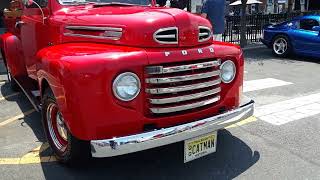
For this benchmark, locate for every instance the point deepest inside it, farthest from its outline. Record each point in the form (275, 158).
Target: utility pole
(243, 29)
(290, 5)
(275, 6)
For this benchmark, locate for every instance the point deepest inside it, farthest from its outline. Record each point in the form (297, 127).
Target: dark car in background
(298, 36)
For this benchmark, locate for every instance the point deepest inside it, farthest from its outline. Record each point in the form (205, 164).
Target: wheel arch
(281, 34)
(47, 81)
(43, 85)
(50, 74)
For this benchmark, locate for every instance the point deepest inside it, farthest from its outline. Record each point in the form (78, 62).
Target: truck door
(33, 27)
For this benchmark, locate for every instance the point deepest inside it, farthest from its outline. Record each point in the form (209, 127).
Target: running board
(31, 95)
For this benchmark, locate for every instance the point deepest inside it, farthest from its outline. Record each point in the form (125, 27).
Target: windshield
(107, 2)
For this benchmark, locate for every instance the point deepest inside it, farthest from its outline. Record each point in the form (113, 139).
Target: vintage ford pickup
(113, 77)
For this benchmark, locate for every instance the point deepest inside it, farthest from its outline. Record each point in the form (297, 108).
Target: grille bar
(182, 85)
(182, 78)
(183, 88)
(173, 69)
(184, 107)
(186, 97)
(166, 35)
(204, 34)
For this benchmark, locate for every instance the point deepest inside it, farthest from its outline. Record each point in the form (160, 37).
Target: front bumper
(148, 140)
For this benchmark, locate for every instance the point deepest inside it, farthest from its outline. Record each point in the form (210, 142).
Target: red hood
(138, 23)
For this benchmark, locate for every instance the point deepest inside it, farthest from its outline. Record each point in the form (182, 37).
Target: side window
(42, 3)
(307, 24)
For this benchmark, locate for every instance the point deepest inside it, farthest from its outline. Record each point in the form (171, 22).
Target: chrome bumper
(148, 140)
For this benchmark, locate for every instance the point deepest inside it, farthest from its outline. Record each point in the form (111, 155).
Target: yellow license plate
(200, 146)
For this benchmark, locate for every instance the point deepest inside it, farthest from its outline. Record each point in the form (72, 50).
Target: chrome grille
(166, 35)
(204, 33)
(173, 88)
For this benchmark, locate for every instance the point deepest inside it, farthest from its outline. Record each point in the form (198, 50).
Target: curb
(251, 47)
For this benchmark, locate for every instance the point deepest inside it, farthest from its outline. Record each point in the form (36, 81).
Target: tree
(243, 24)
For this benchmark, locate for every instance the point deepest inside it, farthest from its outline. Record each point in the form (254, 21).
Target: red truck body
(64, 49)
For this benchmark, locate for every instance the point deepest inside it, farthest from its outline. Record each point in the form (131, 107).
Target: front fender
(12, 49)
(81, 75)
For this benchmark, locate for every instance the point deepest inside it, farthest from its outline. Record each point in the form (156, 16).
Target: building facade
(281, 6)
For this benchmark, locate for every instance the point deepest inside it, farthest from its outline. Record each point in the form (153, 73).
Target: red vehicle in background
(121, 76)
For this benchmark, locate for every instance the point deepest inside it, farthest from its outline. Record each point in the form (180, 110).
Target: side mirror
(15, 5)
(316, 28)
(14, 10)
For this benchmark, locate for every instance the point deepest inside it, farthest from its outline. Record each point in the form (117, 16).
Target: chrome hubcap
(57, 128)
(61, 127)
(280, 46)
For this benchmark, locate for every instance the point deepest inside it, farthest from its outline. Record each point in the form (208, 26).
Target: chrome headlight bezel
(116, 83)
(228, 62)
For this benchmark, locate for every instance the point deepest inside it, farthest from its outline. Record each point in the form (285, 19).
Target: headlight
(227, 71)
(126, 86)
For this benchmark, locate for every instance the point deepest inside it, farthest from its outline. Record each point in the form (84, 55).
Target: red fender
(80, 76)
(13, 53)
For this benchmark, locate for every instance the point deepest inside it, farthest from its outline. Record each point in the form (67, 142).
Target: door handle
(19, 24)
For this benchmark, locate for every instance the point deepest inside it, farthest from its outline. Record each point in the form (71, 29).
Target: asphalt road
(281, 142)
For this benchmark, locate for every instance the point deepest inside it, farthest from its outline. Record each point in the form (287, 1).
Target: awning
(236, 3)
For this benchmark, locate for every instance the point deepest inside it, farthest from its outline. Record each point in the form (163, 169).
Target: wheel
(281, 46)
(67, 148)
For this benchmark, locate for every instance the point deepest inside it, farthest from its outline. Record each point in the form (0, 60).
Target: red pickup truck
(113, 77)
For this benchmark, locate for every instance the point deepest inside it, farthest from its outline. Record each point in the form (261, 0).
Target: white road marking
(15, 118)
(291, 110)
(259, 84)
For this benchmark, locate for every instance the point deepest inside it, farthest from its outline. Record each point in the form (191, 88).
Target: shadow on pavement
(232, 158)
(33, 120)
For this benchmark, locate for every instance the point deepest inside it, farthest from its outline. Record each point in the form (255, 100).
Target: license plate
(200, 146)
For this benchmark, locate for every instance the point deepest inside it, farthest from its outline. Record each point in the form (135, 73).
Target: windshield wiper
(114, 4)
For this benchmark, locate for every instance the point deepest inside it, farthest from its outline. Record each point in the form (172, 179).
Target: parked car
(112, 78)
(300, 36)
